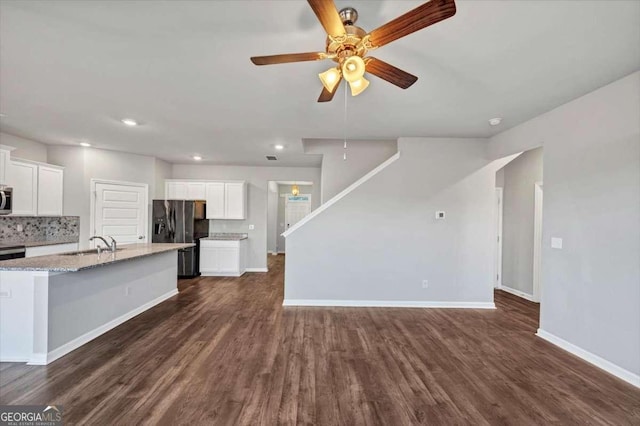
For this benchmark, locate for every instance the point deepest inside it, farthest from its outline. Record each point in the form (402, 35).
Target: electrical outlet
(556, 243)
(19, 228)
(127, 291)
(425, 283)
(252, 227)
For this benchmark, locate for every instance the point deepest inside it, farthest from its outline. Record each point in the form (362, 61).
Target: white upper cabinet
(225, 200)
(235, 200)
(215, 200)
(23, 178)
(196, 191)
(4, 165)
(176, 190)
(37, 188)
(50, 187)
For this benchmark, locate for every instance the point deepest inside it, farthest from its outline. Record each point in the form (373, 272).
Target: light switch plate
(440, 215)
(556, 243)
(252, 227)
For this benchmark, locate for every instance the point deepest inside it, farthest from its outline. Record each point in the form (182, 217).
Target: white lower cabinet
(219, 258)
(50, 249)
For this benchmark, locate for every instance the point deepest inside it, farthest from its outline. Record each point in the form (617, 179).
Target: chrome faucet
(111, 246)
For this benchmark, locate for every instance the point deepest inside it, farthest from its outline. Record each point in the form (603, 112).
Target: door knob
(141, 237)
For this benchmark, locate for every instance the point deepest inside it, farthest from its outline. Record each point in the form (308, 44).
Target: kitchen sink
(90, 251)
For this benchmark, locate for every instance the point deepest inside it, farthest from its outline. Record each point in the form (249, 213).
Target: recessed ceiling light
(495, 121)
(197, 157)
(129, 122)
(85, 144)
(279, 147)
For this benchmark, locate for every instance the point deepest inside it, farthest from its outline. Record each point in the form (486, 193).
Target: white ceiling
(69, 70)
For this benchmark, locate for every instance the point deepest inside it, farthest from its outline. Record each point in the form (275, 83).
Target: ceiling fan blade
(327, 96)
(288, 57)
(328, 16)
(429, 13)
(388, 72)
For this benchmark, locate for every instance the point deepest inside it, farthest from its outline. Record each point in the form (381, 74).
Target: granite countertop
(48, 242)
(226, 237)
(79, 262)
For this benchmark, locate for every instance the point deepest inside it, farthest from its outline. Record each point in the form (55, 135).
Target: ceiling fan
(348, 45)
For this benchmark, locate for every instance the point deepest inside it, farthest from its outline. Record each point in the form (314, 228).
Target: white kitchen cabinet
(176, 190)
(50, 188)
(37, 188)
(215, 200)
(235, 200)
(223, 258)
(23, 178)
(196, 191)
(50, 249)
(4, 164)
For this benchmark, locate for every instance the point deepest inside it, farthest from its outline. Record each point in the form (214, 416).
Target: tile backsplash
(35, 229)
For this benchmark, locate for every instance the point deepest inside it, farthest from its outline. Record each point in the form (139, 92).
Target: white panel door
(234, 200)
(196, 191)
(23, 178)
(120, 211)
(296, 207)
(176, 190)
(215, 200)
(50, 187)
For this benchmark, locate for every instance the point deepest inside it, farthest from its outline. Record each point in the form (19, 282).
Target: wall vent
(271, 157)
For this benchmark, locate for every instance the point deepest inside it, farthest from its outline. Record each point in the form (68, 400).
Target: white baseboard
(388, 304)
(602, 363)
(12, 359)
(518, 293)
(257, 270)
(44, 359)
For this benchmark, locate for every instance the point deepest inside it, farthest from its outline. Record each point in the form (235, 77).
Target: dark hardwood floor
(224, 351)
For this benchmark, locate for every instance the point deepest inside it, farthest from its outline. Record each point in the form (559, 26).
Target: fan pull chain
(344, 155)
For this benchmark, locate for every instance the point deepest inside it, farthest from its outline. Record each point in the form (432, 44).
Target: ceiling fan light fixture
(330, 78)
(358, 86)
(353, 68)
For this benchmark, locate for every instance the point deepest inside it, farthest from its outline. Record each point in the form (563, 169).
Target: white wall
(382, 240)
(25, 148)
(83, 164)
(362, 157)
(520, 176)
(590, 288)
(272, 217)
(257, 179)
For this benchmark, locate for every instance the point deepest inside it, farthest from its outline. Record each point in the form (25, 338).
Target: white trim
(341, 195)
(537, 241)
(518, 293)
(388, 304)
(499, 227)
(599, 362)
(44, 359)
(257, 270)
(92, 203)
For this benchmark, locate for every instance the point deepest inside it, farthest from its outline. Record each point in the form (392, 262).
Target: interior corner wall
(257, 179)
(520, 176)
(83, 164)
(590, 292)
(362, 157)
(381, 240)
(27, 149)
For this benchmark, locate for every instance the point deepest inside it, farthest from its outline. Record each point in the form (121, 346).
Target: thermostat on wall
(440, 215)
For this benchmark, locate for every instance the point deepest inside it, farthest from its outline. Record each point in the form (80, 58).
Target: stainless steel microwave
(6, 200)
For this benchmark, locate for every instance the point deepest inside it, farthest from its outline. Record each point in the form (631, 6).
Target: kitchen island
(51, 305)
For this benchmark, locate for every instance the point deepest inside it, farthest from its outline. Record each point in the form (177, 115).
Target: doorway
(537, 241)
(284, 210)
(119, 210)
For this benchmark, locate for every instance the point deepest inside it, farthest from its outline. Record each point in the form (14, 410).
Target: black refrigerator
(181, 221)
